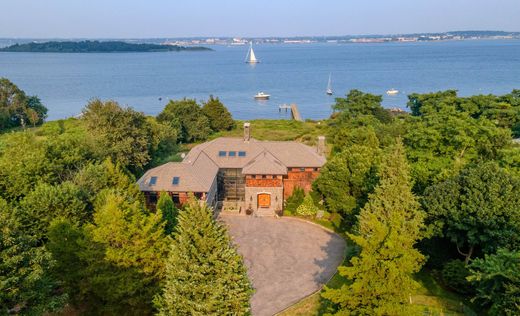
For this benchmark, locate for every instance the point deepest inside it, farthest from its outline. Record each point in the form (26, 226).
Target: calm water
(290, 73)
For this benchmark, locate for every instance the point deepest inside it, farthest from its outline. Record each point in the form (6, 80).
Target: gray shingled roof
(196, 177)
(200, 167)
(291, 154)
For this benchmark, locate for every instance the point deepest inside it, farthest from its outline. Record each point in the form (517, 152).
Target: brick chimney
(320, 148)
(247, 131)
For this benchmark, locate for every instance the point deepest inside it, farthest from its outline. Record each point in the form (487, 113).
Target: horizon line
(262, 37)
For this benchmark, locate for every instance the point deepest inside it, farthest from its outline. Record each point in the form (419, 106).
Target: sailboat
(329, 86)
(250, 57)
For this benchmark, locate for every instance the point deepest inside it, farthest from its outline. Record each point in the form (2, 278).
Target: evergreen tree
(26, 287)
(204, 273)
(135, 243)
(169, 211)
(497, 280)
(389, 226)
(295, 200)
(119, 257)
(219, 117)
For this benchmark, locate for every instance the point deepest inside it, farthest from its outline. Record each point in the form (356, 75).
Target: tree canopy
(479, 208)
(18, 109)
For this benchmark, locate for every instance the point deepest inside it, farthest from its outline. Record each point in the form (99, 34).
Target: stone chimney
(320, 148)
(247, 131)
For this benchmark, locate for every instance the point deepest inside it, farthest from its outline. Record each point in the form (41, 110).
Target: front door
(264, 200)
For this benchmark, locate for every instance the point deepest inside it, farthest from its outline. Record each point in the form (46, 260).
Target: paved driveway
(287, 259)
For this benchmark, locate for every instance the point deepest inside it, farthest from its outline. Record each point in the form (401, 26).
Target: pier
(295, 112)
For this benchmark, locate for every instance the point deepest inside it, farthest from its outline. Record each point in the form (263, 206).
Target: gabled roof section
(265, 163)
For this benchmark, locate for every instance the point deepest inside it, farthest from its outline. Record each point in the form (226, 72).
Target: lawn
(280, 130)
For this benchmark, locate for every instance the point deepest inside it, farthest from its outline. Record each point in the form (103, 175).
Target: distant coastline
(96, 47)
(195, 43)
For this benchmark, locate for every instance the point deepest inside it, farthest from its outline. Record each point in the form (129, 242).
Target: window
(222, 153)
(176, 180)
(241, 154)
(232, 153)
(302, 169)
(264, 177)
(153, 181)
(315, 169)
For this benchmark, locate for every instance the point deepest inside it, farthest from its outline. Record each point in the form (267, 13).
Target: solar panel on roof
(153, 181)
(176, 180)
(232, 153)
(222, 154)
(241, 154)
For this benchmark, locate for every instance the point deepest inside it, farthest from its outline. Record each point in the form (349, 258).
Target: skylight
(232, 153)
(241, 154)
(222, 153)
(176, 180)
(153, 181)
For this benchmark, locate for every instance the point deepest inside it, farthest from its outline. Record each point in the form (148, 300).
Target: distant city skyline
(228, 18)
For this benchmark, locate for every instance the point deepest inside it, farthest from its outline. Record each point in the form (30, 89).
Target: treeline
(437, 189)
(76, 236)
(96, 47)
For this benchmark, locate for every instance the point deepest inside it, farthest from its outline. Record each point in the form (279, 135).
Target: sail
(329, 85)
(251, 58)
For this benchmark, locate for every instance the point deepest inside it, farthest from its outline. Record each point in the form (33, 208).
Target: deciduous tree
(219, 117)
(480, 208)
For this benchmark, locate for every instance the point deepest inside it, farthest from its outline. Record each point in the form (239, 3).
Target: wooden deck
(295, 112)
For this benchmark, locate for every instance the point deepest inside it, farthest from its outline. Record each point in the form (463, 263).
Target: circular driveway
(287, 259)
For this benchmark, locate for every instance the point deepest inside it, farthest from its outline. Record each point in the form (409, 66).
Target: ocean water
(291, 73)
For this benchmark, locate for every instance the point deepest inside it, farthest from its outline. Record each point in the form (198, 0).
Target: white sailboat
(329, 86)
(250, 57)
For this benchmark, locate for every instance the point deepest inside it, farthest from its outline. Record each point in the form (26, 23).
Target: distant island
(97, 47)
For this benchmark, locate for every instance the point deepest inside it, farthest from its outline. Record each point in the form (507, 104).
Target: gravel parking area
(287, 259)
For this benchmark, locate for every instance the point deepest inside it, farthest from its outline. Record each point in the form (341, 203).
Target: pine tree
(168, 210)
(389, 226)
(204, 273)
(124, 252)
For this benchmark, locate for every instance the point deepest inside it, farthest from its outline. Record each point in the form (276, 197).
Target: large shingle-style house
(248, 174)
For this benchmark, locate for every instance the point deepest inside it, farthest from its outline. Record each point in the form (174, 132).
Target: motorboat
(262, 96)
(392, 91)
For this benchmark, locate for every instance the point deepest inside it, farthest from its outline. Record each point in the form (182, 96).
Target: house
(244, 174)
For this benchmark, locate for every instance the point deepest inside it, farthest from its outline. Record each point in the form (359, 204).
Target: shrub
(307, 208)
(454, 276)
(294, 200)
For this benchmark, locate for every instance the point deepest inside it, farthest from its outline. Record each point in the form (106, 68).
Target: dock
(295, 112)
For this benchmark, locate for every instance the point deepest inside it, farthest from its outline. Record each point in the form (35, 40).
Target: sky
(214, 18)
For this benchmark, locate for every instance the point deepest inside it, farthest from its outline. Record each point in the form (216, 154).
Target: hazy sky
(179, 18)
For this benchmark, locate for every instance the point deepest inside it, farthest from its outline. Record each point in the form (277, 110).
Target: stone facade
(275, 197)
